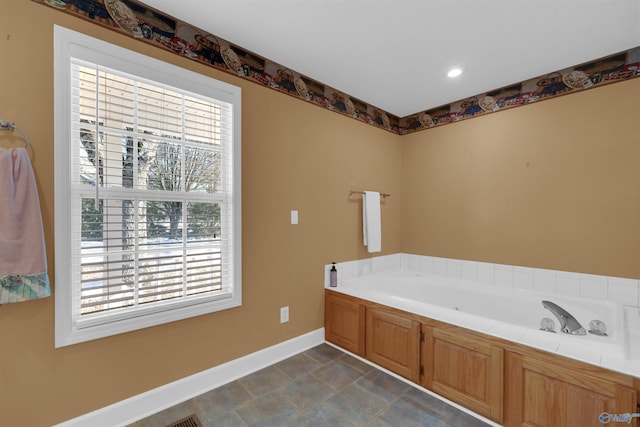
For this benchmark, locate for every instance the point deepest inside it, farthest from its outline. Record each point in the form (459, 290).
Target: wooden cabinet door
(539, 393)
(344, 318)
(465, 368)
(393, 342)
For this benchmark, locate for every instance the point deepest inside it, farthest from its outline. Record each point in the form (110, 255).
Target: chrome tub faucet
(568, 323)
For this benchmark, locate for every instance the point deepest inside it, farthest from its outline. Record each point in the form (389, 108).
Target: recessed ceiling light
(454, 72)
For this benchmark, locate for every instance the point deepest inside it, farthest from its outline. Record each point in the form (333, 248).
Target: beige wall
(552, 185)
(295, 156)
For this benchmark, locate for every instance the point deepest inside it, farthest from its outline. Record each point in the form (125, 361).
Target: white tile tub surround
(439, 266)
(503, 275)
(568, 283)
(469, 271)
(632, 342)
(632, 319)
(622, 290)
(486, 272)
(620, 352)
(453, 268)
(544, 281)
(523, 278)
(552, 282)
(592, 286)
(353, 269)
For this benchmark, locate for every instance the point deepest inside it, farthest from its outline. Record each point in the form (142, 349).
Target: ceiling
(395, 54)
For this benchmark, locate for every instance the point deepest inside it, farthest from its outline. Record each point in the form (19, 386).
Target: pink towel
(23, 263)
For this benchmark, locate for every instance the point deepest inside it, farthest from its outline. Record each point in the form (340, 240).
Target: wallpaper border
(139, 21)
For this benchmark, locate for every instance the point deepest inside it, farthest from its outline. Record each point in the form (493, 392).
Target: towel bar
(352, 192)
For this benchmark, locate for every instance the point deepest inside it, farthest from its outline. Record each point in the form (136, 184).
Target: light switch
(284, 314)
(294, 217)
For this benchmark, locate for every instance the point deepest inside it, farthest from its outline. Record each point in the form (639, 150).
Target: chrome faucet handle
(547, 325)
(597, 327)
(568, 323)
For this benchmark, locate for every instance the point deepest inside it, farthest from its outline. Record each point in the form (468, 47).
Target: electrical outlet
(284, 314)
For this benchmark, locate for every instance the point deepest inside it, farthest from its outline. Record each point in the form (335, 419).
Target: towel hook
(4, 125)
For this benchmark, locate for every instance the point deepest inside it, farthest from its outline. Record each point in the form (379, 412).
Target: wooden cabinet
(540, 392)
(460, 365)
(393, 341)
(344, 321)
(507, 382)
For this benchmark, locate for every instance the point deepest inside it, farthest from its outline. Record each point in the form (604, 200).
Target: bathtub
(508, 313)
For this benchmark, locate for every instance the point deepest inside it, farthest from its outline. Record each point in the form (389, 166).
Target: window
(147, 182)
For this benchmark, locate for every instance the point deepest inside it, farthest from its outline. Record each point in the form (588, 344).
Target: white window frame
(70, 44)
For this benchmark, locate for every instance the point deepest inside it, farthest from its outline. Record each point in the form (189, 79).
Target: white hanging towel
(371, 224)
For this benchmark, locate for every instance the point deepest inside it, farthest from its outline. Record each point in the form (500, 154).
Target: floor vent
(190, 421)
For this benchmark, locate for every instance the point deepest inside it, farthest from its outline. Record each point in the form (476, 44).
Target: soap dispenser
(333, 275)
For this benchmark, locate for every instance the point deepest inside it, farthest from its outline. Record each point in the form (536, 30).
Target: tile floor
(319, 387)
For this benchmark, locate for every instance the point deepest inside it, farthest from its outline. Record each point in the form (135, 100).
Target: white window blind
(151, 198)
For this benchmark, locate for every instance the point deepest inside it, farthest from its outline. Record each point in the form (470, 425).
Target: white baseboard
(143, 405)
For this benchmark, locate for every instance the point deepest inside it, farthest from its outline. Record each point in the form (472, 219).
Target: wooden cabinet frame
(507, 382)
